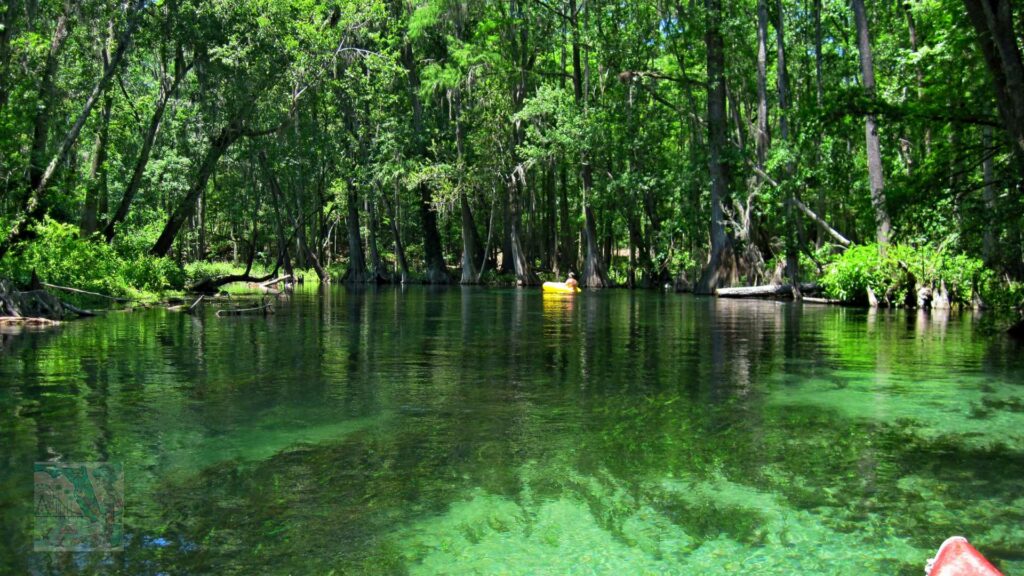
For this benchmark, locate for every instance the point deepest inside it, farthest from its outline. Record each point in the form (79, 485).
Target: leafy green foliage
(59, 256)
(903, 269)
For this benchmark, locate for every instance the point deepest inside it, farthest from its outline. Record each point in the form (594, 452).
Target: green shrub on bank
(903, 269)
(59, 256)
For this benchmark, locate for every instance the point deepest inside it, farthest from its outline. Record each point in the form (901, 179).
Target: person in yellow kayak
(571, 281)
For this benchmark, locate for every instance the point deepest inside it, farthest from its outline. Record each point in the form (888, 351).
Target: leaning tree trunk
(145, 151)
(47, 102)
(720, 269)
(220, 144)
(876, 178)
(993, 22)
(32, 208)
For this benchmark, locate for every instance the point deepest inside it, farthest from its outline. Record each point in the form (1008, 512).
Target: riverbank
(91, 274)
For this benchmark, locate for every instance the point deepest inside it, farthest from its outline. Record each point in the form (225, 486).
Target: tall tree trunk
(201, 224)
(794, 229)
(762, 138)
(471, 253)
(567, 252)
(303, 254)
(283, 257)
(782, 76)
(436, 272)
(551, 219)
(507, 263)
(918, 72)
(993, 22)
(8, 17)
(594, 275)
(819, 91)
(356, 259)
(989, 243)
(525, 276)
(876, 178)
(516, 184)
(218, 146)
(378, 274)
(97, 186)
(396, 231)
(720, 269)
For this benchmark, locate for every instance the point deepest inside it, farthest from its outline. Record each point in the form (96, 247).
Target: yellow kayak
(559, 288)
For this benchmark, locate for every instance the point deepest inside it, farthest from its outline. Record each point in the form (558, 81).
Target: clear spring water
(472, 431)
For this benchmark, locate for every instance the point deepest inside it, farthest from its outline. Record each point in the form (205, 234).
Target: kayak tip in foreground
(956, 557)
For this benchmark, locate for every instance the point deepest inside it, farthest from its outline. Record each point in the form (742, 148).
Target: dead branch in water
(27, 321)
(87, 293)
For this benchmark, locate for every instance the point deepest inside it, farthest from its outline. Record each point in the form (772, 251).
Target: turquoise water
(471, 431)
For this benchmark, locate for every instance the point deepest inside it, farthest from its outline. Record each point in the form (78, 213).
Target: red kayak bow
(956, 557)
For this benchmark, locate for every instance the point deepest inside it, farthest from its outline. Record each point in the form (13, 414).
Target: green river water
(472, 431)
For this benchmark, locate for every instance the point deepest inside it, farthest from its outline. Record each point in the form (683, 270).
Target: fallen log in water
(763, 291)
(265, 309)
